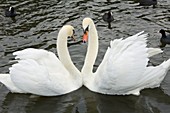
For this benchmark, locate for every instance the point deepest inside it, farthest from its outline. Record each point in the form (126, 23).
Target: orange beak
(85, 37)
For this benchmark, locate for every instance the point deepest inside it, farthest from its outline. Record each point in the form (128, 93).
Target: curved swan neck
(64, 55)
(92, 49)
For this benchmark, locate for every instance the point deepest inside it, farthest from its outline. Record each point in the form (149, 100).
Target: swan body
(40, 72)
(123, 70)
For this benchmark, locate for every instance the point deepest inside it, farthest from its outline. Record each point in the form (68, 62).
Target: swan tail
(166, 65)
(153, 51)
(6, 80)
(155, 75)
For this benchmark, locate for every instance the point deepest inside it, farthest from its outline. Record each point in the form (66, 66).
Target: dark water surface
(37, 25)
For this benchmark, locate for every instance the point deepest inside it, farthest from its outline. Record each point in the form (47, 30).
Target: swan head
(86, 22)
(69, 31)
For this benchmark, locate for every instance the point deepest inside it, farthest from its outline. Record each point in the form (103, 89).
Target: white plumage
(40, 72)
(124, 67)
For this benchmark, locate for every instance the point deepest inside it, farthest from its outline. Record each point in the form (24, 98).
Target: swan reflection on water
(37, 25)
(85, 101)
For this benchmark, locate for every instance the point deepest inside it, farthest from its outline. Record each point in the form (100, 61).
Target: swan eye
(73, 31)
(87, 29)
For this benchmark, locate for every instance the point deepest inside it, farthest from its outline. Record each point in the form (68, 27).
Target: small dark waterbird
(10, 12)
(108, 17)
(165, 39)
(148, 3)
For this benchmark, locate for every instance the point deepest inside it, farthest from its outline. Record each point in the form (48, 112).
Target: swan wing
(124, 62)
(153, 76)
(6, 80)
(42, 57)
(153, 51)
(40, 72)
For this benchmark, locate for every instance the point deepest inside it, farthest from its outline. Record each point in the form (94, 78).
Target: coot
(148, 2)
(10, 12)
(165, 39)
(108, 17)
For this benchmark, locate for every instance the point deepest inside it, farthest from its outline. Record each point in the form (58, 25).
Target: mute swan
(124, 68)
(165, 39)
(40, 72)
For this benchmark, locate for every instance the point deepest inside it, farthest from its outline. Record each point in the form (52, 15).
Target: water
(37, 26)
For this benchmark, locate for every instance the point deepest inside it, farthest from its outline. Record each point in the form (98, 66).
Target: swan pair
(123, 69)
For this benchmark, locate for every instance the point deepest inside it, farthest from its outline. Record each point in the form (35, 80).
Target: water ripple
(37, 25)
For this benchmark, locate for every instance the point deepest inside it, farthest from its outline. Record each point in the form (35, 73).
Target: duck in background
(148, 3)
(165, 39)
(108, 17)
(10, 12)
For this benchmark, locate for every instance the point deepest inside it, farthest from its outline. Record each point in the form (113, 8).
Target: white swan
(124, 68)
(40, 72)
